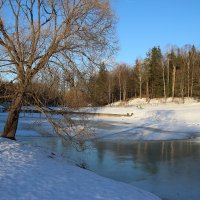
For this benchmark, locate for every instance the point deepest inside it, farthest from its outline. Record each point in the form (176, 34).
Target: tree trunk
(13, 116)
(140, 78)
(147, 90)
(124, 92)
(168, 72)
(182, 89)
(182, 94)
(164, 85)
(109, 92)
(168, 78)
(174, 82)
(192, 80)
(120, 89)
(188, 79)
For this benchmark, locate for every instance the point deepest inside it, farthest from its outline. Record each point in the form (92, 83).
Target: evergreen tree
(155, 73)
(99, 87)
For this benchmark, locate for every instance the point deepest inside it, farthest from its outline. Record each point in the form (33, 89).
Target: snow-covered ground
(153, 120)
(31, 173)
(28, 172)
(150, 122)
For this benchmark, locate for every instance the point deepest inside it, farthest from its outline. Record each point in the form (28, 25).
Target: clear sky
(143, 24)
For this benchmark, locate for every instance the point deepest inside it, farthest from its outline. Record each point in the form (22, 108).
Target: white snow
(31, 173)
(148, 122)
(28, 172)
(162, 121)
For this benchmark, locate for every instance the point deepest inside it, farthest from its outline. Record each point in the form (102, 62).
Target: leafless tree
(146, 78)
(163, 76)
(41, 33)
(173, 82)
(122, 73)
(140, 68)
(119, 81)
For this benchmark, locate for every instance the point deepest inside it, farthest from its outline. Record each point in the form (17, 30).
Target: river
(169, 169)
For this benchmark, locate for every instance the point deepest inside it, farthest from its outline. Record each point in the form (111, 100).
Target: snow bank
(144, 101)
(150, 122)
(28, 172)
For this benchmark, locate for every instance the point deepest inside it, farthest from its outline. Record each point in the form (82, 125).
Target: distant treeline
(175, 73)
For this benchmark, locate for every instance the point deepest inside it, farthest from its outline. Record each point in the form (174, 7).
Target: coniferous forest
(175, 73)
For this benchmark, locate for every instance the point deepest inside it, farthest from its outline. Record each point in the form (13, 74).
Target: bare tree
(173, 82)
(172, 58)
(163, 75)
(122, 73)
(146, 78)
(42, 33)
(140, 70)
(119, 80)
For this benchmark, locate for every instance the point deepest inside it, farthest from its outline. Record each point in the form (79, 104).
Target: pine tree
(155, 73)
(99, 87)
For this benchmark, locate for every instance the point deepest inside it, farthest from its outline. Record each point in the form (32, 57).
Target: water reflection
(169, 169)
(148, 154)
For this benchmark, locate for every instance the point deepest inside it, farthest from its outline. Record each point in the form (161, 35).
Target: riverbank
(150, 122)
(161, 121)
(28, 172)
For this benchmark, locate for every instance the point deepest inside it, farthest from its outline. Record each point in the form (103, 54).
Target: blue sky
(143, 24)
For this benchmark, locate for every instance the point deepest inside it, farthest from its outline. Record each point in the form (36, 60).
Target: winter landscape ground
(27, 172)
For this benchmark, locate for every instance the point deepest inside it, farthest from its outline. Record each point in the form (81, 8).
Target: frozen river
(169, 169)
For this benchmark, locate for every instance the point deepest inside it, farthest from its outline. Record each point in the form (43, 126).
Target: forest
(175, 73)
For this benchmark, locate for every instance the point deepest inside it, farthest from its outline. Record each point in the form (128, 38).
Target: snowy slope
(30, 173)
(151, 122)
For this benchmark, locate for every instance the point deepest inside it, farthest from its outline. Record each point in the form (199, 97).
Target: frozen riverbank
(150, 122)
(28, 172)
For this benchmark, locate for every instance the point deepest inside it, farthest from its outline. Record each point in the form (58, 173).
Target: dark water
(169, 169)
